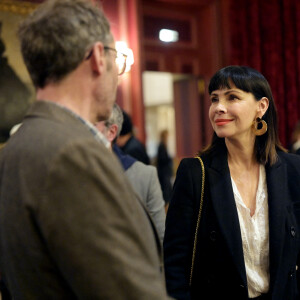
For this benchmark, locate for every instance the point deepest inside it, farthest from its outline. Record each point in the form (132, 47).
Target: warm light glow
(122, 47)
(167, 35)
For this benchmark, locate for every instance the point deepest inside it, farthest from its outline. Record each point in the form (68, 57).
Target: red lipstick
(221, 122)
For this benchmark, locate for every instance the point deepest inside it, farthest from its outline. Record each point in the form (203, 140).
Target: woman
(247, 243)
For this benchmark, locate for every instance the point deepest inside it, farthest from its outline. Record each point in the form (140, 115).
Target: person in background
(232, 228)
(296, 139)
(164, 167)
(143, 178)
(70, 224)
(129, 144)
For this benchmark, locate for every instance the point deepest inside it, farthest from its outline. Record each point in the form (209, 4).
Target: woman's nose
(220, 108)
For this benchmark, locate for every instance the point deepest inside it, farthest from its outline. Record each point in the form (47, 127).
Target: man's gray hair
(116, 117)
(56, 36)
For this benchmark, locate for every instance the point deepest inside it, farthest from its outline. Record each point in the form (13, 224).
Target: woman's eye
(214, 99)
(233, 97)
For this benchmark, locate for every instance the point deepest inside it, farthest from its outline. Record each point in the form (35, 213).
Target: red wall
(205, 50)
(123, 16)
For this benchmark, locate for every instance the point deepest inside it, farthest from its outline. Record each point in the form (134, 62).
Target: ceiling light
(167, 35)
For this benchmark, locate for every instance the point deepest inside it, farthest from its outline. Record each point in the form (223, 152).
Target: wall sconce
(122, 47)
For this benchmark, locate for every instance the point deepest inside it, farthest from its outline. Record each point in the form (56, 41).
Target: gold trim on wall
(17, 7)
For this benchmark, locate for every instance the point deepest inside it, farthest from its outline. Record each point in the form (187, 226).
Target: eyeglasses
(120, 59)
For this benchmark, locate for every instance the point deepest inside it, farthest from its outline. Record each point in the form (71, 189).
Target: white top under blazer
(255, 237)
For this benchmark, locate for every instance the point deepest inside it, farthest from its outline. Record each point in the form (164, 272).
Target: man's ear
(263, 105)
(112, 132)
(98, 58)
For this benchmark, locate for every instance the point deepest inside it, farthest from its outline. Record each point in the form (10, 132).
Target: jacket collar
(126, 160)
(54, 111)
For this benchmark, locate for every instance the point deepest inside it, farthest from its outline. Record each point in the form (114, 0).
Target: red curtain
(265, 35)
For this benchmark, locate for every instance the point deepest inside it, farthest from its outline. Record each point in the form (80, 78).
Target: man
(129, 144)
(164, 163)
(143, 179)
(70, 225)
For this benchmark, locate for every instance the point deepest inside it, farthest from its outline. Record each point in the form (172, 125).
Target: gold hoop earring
(260, 127)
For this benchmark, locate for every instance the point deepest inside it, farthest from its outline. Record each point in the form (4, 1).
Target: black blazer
(219, 270)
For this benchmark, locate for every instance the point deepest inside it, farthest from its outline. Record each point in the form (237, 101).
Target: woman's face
(232, 112)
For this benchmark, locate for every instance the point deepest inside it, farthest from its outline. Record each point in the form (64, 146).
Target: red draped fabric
(265, 35)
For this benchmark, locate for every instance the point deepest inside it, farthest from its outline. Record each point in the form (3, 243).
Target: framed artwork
(16, 89)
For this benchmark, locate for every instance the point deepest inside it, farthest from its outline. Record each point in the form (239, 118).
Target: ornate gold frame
(11, 13)
(18, 7)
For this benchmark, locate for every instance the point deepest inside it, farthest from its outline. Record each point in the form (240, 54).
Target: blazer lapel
(277, 196)
(225, 209)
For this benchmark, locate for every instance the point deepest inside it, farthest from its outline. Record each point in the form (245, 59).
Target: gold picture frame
(16, 88)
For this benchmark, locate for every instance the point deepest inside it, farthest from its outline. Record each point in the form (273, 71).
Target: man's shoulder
(55, 124)
(141, 176)
(44, 139)
(144, 179)
(139, 168)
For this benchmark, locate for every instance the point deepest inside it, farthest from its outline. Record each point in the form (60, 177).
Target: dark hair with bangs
(251, 81)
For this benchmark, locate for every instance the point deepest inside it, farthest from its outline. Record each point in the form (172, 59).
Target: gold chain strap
(198, 220)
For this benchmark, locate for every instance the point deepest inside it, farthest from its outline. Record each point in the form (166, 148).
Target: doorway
(174, 102)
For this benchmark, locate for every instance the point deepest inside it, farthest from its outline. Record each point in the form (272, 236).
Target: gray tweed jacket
(66, 231)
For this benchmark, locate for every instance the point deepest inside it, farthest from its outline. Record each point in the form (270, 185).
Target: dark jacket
(136, 149)
(219, 270)
(164, 171)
